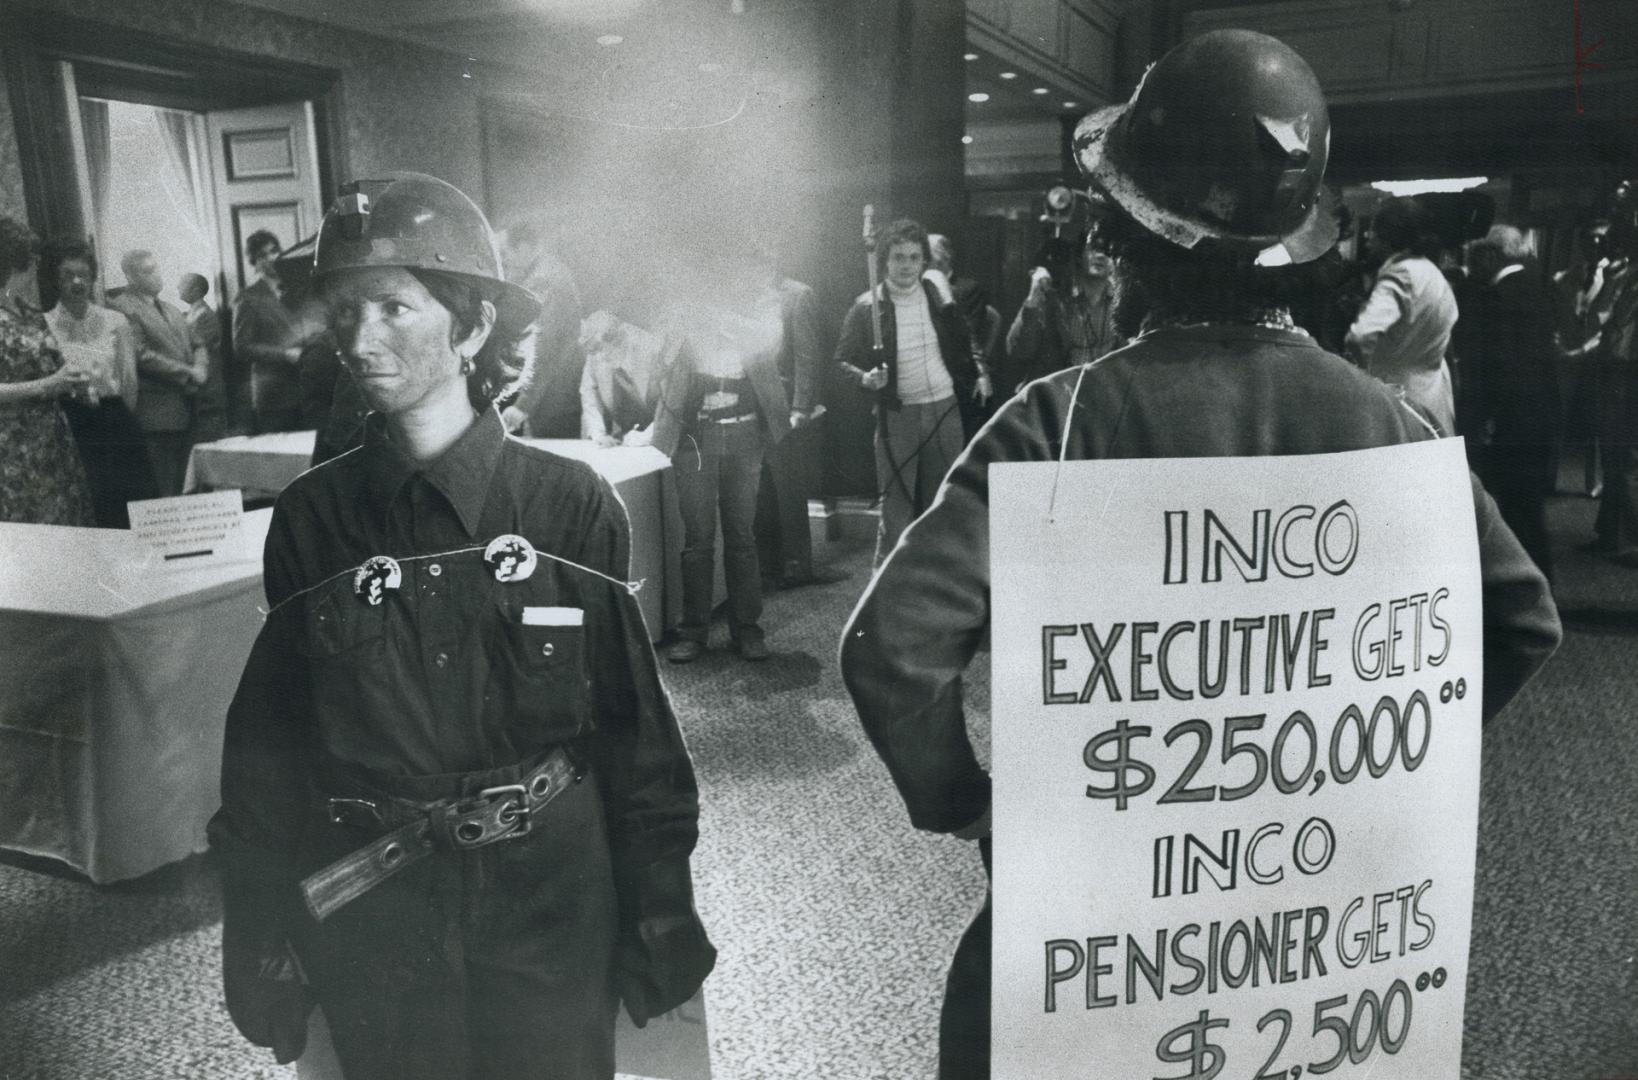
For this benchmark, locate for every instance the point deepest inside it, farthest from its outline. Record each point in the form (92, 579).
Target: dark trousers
(168, 455)
(718, 469)
(784, 545)
(915, 447)
(490, 964)
(1617, 523)
(113, 450)
(1520, 476)
(964, 1020)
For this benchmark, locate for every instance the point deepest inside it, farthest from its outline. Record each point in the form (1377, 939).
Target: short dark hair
(259, 240)
(1156, 280)
(61, 249)
(18, 245)
(902, 231)
(188, 279)
(502, 368)
(1404, 224)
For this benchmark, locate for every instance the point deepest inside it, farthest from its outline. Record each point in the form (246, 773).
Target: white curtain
(176, 132)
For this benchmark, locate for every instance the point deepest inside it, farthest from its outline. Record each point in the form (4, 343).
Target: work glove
(266, 996)
(663, 964)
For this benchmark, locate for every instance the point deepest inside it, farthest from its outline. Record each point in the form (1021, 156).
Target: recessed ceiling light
(1041, 90)
(969, 56)
(1422, 187)
(1009, 74)
(978, 99)
(610, 39)
(966, 140)
(710, 67)
(1071, 104)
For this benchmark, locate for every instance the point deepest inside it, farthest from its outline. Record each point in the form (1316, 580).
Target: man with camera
(1068, 317)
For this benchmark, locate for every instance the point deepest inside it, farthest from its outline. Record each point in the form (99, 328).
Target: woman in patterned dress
(41, 478)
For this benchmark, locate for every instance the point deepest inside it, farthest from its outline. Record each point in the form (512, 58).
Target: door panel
(264, 171)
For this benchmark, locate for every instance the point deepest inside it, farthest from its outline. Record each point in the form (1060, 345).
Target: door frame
(148, 69)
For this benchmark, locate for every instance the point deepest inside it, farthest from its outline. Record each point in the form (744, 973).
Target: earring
(466, 365)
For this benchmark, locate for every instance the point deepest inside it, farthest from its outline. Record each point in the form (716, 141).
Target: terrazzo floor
(835, 919)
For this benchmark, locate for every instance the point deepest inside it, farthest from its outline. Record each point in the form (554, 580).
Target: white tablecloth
(117, 675)
(261, 466)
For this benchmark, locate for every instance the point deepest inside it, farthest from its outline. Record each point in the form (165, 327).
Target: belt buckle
(352, 811)
(510, 816)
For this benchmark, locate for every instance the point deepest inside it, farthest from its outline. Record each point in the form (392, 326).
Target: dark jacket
(681, 393)
(1209, 391)
(264, 326)
(448, 676)
(855, 352)
(1511, 371)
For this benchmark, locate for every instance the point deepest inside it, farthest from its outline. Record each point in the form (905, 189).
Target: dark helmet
(1226, 139)
(415, 221)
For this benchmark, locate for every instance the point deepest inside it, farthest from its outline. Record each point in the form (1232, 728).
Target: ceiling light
(711, 67)
(1009, 74)
(966, 140)
(978, 99)
(1040, 90)
(1422, 187)
(1071, 104)
(610, 39)
(969, 56)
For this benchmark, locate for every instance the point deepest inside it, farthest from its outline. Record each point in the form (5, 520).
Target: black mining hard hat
(415, 221)
(1225, 139)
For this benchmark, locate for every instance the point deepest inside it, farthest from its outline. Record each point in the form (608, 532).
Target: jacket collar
(461, 474)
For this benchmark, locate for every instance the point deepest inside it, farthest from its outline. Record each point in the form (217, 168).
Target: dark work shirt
(445, 676)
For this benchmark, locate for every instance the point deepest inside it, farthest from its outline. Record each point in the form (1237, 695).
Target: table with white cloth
(117, 675)
(262, 465)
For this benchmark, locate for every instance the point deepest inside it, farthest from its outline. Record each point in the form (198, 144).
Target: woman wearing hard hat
(457, 809)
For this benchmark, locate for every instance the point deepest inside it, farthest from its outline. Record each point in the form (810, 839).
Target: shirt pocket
(343, 640)
(540, 678)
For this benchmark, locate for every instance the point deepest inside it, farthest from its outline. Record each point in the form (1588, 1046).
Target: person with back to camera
(1214, 170)
(1403, 332)
(457, 810)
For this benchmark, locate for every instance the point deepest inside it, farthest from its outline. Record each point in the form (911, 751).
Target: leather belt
(503, 812)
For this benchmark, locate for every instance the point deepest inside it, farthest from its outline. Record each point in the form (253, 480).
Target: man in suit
(1512, 381)
(171, 367)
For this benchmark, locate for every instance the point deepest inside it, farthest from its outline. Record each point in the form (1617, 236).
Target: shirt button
(442, 659)
(547, 649)
(435, 569)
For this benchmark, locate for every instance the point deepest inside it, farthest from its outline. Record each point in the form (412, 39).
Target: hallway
(835, 919)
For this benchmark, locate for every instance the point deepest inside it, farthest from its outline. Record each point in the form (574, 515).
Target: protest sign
(1236, 761)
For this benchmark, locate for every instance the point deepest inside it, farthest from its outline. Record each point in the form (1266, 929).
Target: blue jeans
(718, 470)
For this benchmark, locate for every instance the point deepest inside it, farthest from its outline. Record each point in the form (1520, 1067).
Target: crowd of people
(1200, 312)
(103, 401)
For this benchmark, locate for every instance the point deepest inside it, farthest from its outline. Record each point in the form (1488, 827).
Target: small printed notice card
(193, 530)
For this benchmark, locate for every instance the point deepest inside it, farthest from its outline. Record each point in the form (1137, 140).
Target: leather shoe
(752, 648)
(685, 651)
